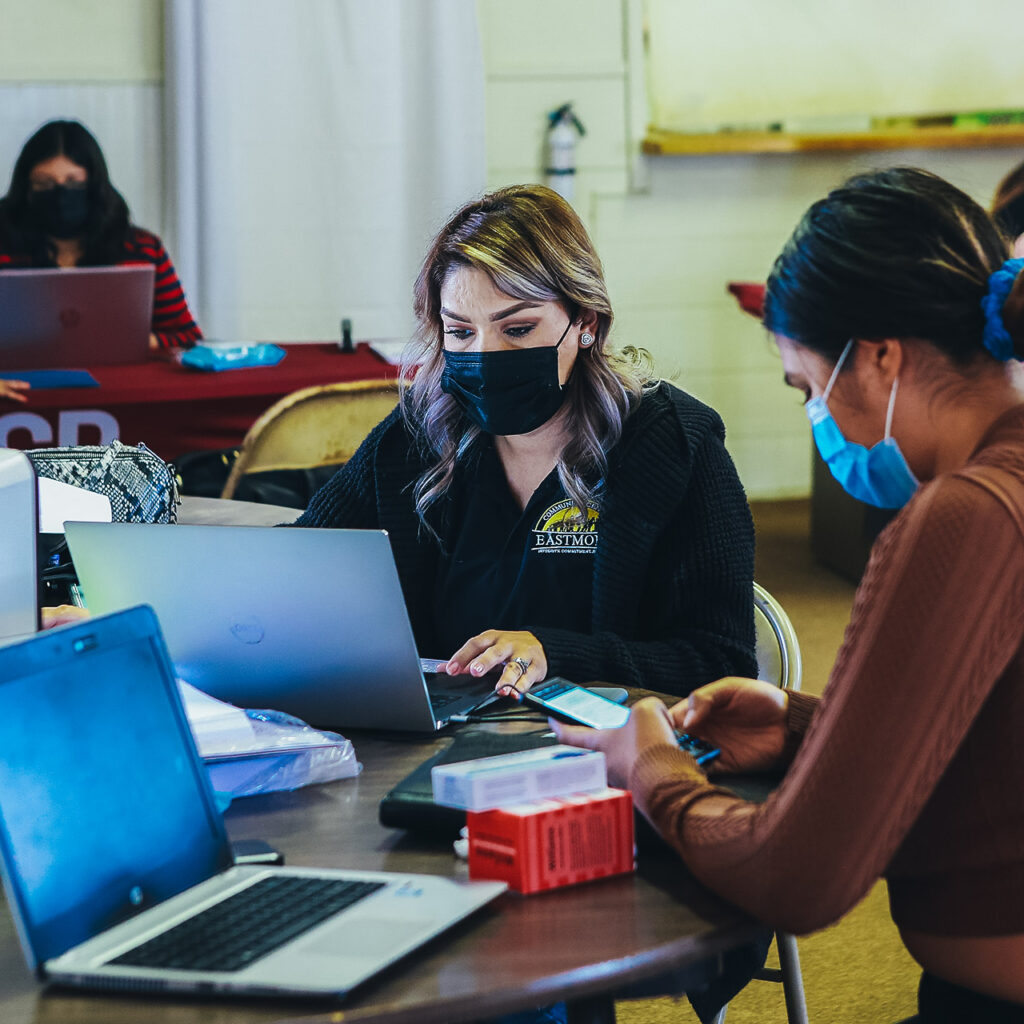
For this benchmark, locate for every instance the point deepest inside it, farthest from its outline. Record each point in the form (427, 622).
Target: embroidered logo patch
(562, 529)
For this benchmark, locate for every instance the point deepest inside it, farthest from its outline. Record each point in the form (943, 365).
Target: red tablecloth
(172, 409)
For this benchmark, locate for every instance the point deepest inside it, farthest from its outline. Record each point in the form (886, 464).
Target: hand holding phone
(702, 751)
(563, 700)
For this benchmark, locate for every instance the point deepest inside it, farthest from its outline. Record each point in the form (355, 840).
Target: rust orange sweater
(912, 764)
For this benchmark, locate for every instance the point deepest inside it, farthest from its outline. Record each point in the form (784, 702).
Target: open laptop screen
(75, 316)
(104, 809)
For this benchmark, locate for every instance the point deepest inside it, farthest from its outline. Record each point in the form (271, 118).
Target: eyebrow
(500, 315)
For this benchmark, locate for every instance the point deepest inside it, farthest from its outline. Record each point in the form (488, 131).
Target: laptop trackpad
(367, 937)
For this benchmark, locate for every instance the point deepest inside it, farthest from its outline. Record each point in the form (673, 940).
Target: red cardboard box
(550, 843)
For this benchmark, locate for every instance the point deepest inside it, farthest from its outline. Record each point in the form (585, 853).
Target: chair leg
(590, 1010)
(792, 980)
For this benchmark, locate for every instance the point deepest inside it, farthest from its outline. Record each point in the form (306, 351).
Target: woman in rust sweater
(897, 317)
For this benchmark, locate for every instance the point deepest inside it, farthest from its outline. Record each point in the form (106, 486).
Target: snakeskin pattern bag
(140, 485)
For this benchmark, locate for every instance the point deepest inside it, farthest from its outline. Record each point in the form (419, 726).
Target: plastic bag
(291, 754)
(231, 357)
(250, 752)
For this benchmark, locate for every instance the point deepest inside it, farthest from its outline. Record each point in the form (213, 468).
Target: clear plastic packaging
(290, 754)
(250, 752)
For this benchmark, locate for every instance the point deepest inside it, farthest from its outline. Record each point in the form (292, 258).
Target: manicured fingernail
(476, 668)
(452, 668)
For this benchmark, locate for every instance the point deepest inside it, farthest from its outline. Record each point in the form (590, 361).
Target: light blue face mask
(878, 475)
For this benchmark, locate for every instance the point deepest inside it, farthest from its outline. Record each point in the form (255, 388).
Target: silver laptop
(76, 316)
(116, 864)
(19, 532)
(311, 622)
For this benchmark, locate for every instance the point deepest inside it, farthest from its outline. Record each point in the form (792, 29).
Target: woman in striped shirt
(62, 211)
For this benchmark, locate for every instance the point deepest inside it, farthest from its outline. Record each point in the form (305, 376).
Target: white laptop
(311, 622)
(116, 864)
(19, 569)
(75, 316)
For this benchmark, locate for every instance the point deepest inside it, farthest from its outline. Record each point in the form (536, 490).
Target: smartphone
(564, 700)
(700, 749)
(255, 851)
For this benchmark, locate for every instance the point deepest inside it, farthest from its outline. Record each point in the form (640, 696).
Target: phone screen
(578, 704)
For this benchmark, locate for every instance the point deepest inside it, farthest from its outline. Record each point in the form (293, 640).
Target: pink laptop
(78, 316)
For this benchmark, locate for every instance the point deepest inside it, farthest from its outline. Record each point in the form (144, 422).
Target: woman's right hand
(744, 718)
(13, 389)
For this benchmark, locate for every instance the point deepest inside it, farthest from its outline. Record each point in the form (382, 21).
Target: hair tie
(996, 338)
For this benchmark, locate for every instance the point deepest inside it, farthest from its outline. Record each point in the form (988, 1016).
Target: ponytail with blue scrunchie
(996, 337)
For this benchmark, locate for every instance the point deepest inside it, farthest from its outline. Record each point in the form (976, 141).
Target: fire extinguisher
(563, 129)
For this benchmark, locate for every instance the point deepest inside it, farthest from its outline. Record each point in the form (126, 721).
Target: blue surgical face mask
(878, 475)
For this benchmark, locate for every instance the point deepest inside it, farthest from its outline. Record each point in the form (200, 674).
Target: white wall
(96, 61)
(668, 250)
(750, 62)
(699, 222)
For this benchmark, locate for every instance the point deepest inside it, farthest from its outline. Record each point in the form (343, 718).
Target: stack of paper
(59, 502)
(262, 751)
(218, 728)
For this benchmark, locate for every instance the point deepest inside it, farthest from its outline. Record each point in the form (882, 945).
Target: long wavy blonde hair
(532, 245)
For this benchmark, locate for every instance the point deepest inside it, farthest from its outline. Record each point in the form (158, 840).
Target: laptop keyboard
(240, 929)
(439, 700)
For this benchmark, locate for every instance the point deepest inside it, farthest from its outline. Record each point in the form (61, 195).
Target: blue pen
(709, 756)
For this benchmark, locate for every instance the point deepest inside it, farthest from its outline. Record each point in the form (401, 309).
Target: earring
(586, 339)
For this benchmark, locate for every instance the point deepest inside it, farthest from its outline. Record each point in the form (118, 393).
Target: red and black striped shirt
(173, 323)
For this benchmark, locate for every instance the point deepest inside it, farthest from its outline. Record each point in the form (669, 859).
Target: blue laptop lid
(105, 807)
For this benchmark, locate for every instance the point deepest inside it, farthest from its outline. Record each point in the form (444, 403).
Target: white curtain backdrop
(313, 149)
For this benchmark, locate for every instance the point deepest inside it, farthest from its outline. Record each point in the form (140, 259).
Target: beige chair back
(318, 426)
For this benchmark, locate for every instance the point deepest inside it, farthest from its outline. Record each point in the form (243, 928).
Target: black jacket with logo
(672, 603)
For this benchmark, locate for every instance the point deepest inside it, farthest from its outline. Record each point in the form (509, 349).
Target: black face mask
(512, 391)
(60, 212)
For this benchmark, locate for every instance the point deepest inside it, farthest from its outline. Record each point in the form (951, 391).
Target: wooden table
(520, 952)
(578, 944)
(196, 511)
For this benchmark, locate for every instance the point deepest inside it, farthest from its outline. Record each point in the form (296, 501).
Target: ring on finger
(523, 664)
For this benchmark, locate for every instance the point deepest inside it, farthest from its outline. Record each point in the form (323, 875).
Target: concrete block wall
(672, 233)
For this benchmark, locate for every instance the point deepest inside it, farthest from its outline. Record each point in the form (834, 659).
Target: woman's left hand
(649, 725)
(519, 651)
(62, 614)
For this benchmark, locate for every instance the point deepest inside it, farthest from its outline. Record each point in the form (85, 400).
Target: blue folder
(41, 380)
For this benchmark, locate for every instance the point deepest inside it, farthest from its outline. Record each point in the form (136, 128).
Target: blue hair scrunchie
(995, 337)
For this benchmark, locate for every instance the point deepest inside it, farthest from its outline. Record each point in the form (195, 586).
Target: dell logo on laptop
(248, 630)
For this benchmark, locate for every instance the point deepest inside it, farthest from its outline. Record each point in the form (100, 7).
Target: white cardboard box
(507, 779)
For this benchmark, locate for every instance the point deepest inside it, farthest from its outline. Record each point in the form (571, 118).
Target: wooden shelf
(660, 143)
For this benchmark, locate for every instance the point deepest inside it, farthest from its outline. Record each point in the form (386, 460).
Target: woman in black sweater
(550, 508)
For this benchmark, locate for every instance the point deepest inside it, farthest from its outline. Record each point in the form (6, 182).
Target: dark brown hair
(107, 227)
(897, 253)
(1008, 204)
(532, 245)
